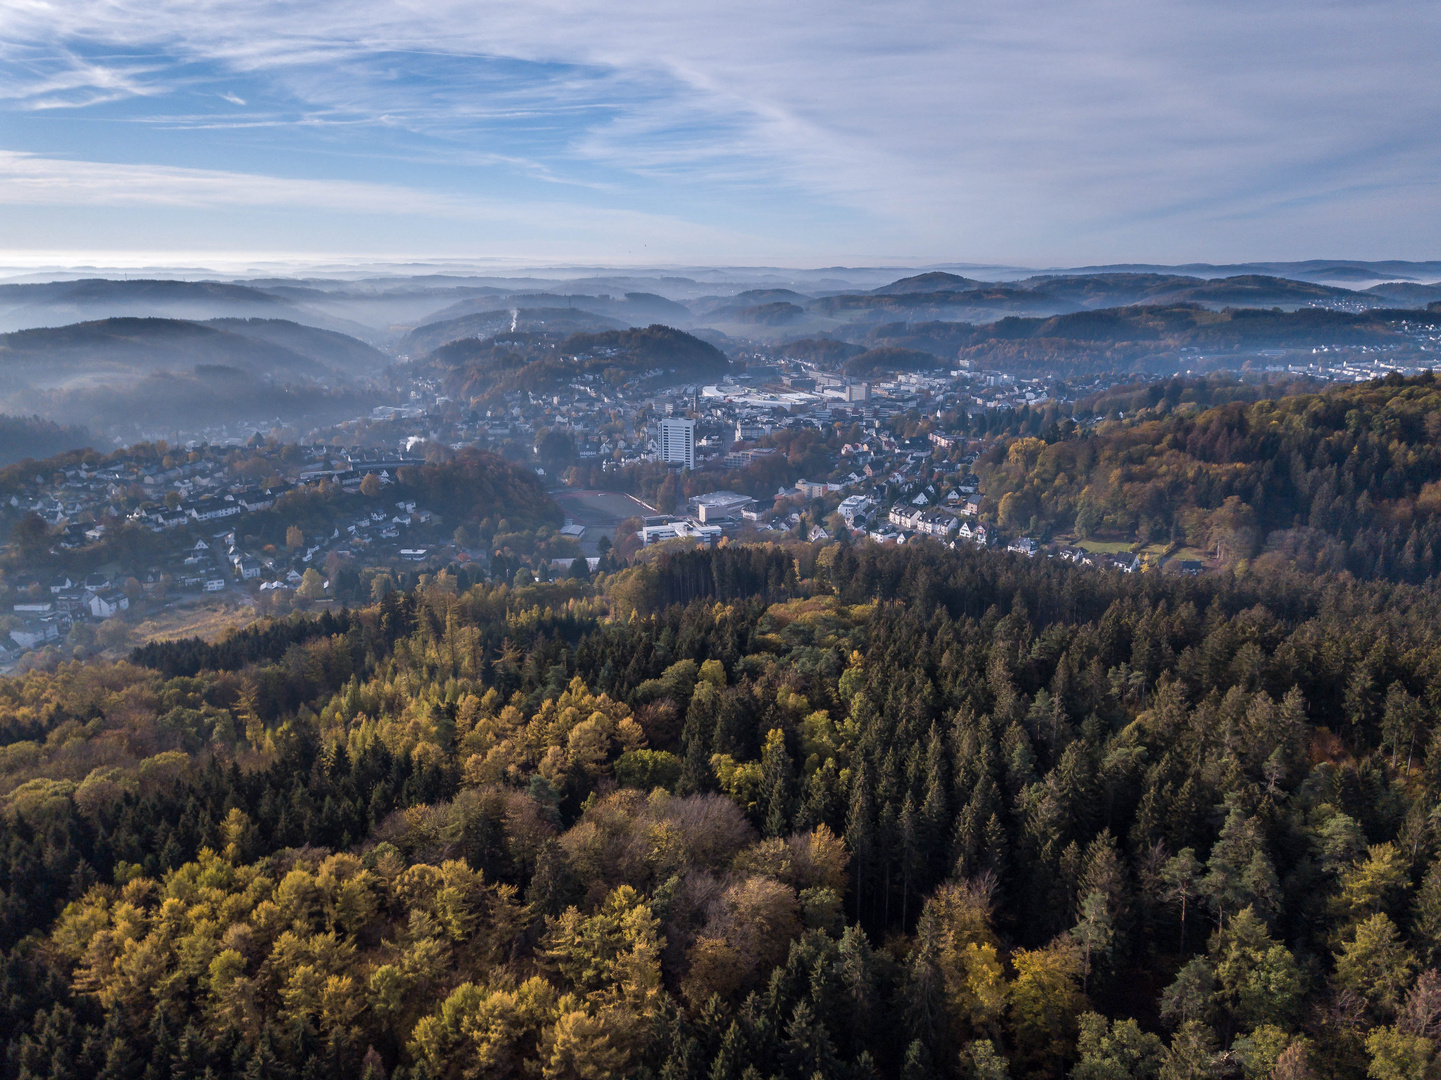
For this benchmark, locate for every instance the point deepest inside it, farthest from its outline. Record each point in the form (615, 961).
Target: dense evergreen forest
(794, 812)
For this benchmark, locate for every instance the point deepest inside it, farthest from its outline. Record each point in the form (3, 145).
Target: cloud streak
(28, 180)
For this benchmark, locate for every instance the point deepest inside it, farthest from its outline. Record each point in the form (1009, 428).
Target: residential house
(854, 507)
(928, 522)
(35, 633)
(213, 509)
(107, 603)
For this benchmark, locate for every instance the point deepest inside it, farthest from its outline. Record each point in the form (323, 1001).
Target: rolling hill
(825, 351)
(113, 374)
(935, 282)
(974, 304)
(885, 359)
(486, 324)
(618, 360)
(58, 303)
(1149, 336)
(1407, 293)
(54, 355)
(339, 352)
(632, 309)
(62, 303)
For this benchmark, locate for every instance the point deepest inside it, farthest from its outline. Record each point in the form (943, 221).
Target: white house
(929, 522)
(35, 633)
(108, 602)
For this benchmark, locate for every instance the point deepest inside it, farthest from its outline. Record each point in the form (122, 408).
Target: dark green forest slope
(1344, 479)
(753, 812)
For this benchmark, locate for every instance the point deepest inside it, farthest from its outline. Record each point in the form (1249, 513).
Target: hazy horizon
(40, 268)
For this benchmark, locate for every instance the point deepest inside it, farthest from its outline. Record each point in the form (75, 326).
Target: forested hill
(752, 812)
(137, 345)
(536, 361)
(1345, 479)
(1166, 337)
(1141, 336)
(29, 437)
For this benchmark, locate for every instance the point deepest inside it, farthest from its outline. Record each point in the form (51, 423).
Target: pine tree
(1239, 872)
(1426, 916)
(777, 784)
(1192, 1055)
(1181, 878)
(860, 830)
(1093, 933)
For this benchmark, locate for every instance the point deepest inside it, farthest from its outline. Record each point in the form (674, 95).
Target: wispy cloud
(1039, 129)
(31, 180)
(568, 228)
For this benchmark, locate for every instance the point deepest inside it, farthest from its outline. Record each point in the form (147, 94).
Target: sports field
(599, 511)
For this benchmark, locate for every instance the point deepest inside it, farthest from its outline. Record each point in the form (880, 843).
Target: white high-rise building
(677, 442)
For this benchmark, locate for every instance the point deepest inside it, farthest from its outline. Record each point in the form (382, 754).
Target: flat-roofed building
(719, 505)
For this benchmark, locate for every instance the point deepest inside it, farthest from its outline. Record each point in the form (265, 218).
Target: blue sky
(802, 134)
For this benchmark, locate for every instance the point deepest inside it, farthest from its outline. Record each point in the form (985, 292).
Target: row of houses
(49, 617)
(929, 522)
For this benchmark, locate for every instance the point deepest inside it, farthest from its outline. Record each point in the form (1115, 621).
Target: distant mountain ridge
(485, 324)
(412, 315)
(633, 309)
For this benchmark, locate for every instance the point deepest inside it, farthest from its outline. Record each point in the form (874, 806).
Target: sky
(803, 133)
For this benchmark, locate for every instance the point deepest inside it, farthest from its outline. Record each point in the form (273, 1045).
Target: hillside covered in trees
(1344, 479)
(29, 437)
(536, 361)
(752, 812)
(1161, 337)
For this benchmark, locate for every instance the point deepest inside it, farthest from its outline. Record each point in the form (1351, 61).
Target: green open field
(1104, 547)
(1184, 553)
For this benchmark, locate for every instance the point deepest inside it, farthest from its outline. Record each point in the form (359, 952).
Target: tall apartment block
(677, 442)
